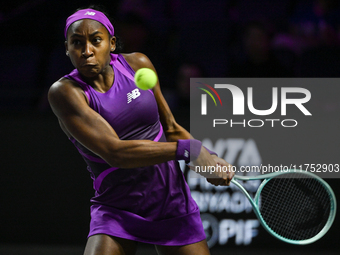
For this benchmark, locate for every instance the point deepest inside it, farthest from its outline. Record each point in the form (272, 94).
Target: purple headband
(89, 14)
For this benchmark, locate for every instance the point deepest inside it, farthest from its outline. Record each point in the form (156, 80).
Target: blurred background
(45, 188)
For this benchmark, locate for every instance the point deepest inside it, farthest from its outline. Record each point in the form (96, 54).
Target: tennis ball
(145, 78)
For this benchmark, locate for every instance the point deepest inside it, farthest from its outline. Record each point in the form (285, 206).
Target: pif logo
(238, 99)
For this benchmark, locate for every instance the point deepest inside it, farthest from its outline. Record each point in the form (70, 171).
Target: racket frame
(267, 177)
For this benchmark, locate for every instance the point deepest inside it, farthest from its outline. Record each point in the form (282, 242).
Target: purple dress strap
(121, 68)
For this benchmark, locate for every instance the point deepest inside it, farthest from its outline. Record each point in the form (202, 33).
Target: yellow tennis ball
(145, 78)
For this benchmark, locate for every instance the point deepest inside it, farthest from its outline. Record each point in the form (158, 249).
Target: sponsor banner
(259, 126)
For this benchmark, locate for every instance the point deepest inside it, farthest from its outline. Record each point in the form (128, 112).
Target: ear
(66, 47)
(113, 43)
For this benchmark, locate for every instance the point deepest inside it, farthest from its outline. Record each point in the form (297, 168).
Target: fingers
(227, 182)
(220, 173)
(216, 181)
(221, 181)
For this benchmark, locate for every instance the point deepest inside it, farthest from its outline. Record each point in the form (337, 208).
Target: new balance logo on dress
(90, 13)
(132, 95)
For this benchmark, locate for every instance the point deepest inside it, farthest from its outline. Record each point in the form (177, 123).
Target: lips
(89, 64)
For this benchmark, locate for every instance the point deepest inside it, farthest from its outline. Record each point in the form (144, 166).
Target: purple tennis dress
(148, 204)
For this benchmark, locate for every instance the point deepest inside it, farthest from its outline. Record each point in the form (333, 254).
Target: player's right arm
(80, 121)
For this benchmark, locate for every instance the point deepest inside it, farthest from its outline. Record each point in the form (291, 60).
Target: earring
(67, 54)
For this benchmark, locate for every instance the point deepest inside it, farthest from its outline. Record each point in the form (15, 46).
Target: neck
(103, 81)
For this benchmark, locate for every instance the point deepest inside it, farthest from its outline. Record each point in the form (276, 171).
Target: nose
(88, 52)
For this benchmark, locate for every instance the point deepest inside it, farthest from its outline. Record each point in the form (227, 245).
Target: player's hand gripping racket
(296, 206)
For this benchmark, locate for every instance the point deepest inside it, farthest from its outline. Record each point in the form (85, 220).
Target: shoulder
(65, 91)
(138, 60)
(63, 88)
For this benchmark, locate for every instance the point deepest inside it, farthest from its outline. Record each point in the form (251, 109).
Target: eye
(97, 40)
(75, 42)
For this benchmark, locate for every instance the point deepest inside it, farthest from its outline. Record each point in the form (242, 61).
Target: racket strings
(310, 212)
(272, 212)
(296, 208)
(269, 210)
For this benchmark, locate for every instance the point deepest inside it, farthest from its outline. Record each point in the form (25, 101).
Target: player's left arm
(172, 130)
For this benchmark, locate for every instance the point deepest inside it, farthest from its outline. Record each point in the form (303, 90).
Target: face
(89, 45)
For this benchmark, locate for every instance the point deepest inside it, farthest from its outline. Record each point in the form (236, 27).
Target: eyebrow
(79, 35)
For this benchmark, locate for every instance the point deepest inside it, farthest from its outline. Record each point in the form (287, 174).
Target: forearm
(139, 153)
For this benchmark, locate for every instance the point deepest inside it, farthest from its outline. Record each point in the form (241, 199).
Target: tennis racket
(296, 206)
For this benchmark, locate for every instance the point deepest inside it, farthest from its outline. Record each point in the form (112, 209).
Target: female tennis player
(131, 144)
